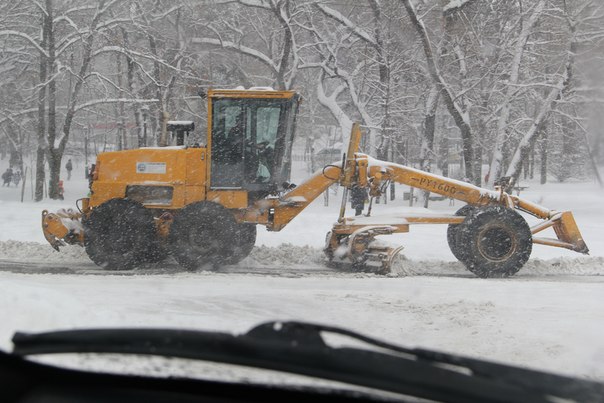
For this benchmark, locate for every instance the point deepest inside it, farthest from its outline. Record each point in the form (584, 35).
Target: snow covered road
(549, 316)
(552, 322)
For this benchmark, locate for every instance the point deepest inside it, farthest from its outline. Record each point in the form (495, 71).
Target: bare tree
(579, 19)
(460, 116)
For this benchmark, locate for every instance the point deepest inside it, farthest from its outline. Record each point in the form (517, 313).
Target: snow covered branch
(238, 48)
(95, 102)
(354, 28)
(27, 38)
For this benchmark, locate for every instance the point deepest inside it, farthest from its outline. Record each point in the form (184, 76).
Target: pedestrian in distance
(358, 197)
(7, 177)
(17, 178)
(69, 167)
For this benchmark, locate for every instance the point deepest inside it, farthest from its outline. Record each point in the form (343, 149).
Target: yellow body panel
(229, 198)
(184, 170)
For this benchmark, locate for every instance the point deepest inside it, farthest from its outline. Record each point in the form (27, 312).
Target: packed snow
(549, 316)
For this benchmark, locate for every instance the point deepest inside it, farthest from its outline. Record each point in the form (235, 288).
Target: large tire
(458, 250)
(120, 235)
(242, 244)
(497, 240)
(202, 234)
(156, 254)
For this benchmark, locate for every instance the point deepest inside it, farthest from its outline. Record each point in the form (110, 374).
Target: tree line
(515, 84)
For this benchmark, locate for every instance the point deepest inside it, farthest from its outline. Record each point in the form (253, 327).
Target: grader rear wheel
(203, 234)
(497, 240)
(120, 235)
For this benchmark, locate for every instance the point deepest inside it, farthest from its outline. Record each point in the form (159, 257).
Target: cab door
(228, 135)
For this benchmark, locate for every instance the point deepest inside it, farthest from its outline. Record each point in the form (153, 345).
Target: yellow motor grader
(202, 203)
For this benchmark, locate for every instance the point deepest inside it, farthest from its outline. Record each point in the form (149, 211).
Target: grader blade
(63, 227)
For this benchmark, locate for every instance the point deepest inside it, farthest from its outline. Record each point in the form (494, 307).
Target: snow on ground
(553, 325)
(549, 316)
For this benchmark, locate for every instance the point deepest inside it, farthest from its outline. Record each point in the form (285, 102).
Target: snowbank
(292, 258)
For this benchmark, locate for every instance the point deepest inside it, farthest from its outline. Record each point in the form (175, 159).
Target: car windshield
(429, 173)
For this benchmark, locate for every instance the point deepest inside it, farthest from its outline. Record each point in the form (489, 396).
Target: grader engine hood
(154, 176)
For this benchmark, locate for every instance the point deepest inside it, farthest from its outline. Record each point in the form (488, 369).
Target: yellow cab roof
(251, 93)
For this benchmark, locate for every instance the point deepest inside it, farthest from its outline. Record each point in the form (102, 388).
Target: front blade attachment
(567, 233)
(63, 227)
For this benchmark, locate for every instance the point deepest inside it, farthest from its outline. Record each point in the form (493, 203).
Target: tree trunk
(130, 81)
(54, 164)
(15, 145)
(384, 82)
(162, 140)
(120, 105)
(427, 149)
(592, 160)
(287, 45)
(478, 165)
(41, 151)
(444, 155)
(53, 184)
(532, 162)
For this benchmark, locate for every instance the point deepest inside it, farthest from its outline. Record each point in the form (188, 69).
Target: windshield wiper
(299, 348)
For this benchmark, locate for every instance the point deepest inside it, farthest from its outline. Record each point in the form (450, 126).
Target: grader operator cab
(201, 204)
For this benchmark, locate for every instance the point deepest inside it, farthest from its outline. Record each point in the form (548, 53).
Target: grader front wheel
(497, 241)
